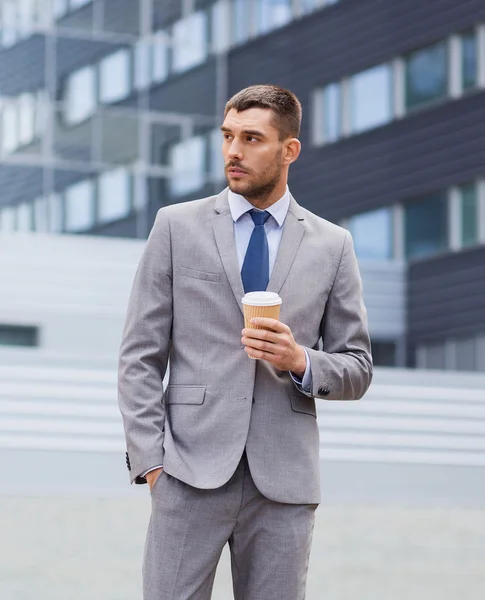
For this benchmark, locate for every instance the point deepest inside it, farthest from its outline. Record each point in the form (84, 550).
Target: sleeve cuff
(305, 384)
(151, 469)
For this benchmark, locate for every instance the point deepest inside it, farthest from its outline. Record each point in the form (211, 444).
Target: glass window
(469, 214)
(160, 57)
(18, 335)
(80, 95)
(40, 215)
(426, 226)
(216, 159)
(79, 205)
(426, 75)
(26, 16)
(55, 213)
(190, 41)
(187, 160)
(9, 127)
(9, 22)
(59, 8)
(466, 354)
(26, 116)
(372, 234)
(24, 217)
(371, 98)
(241, 15)
(272, 14)
(328, 114)
(8, 219)
(469, 60)
(113, 195)
(114, 74)
(73, 4)
(435, 356)
(142, 64)
(220, 38)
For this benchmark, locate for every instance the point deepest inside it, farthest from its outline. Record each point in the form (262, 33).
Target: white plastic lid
(262, 299)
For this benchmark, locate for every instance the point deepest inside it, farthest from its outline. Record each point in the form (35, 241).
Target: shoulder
(320, 226)
(186, 213)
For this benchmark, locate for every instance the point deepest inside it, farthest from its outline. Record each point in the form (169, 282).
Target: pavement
(371, 542)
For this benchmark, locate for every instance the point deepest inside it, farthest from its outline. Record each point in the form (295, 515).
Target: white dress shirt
(243, 228)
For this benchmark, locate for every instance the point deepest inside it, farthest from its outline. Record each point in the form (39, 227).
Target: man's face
(252, 151)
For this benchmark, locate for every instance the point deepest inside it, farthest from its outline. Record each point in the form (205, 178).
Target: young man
(230, 449)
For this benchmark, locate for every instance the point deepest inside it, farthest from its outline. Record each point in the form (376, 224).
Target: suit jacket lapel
(223, 226)
(293, 231)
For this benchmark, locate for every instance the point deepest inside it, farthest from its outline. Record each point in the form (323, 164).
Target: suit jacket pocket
(303, 404)
(215, 277)
(185, 394)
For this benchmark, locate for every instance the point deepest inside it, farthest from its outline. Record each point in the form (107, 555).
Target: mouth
(236, 173)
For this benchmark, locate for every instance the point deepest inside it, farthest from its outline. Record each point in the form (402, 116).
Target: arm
(343, 370)
(144, 352)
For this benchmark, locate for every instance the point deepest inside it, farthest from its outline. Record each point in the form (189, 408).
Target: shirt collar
(239, 205)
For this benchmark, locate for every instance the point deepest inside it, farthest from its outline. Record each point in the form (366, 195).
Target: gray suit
(186, 305)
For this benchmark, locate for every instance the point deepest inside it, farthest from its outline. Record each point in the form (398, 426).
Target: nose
(235, 150)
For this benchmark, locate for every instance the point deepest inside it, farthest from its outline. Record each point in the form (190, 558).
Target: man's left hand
(275, 345)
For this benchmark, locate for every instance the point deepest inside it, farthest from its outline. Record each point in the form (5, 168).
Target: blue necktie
(255, 269)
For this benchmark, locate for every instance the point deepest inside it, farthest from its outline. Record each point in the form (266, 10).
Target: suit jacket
(186, 305)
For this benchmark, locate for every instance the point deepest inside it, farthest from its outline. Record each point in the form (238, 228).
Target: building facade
(111, 109)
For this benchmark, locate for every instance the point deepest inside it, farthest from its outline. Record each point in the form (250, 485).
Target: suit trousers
(269, 542)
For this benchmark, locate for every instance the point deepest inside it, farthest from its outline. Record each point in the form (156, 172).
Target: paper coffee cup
(260, 304)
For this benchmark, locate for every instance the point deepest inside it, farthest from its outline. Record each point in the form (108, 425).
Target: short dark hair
(284, 104)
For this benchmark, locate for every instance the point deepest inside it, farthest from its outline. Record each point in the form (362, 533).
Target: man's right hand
(152, 476)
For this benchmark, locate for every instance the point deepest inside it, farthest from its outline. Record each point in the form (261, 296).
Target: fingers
(272, 324)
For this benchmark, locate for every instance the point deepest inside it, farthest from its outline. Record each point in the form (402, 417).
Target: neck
(266, 200)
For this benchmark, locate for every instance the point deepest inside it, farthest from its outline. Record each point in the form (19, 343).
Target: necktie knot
(259, 217)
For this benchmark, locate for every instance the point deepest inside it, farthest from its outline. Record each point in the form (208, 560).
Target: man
(230, 450)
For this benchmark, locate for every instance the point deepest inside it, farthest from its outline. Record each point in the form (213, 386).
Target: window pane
(78, 3)
(435, 356)
(24, 217)
(469, 214)
(79, 202)
(7, 219)
(18, 335)
(9, 22)
(372, 234)
(331, 112)
(272, 14)
(114, 195)
(55, 213)
(469, 60)
(40, 215)
(190, 41)
(114, 72)
(216, 160)
(466, 354)
(9, 127)
(426, 75)
(160, 57)
(59, 8)
(26, 117)
(187, 162)
(240, 21)
(26, 16)
(371, 98)
(220, 39)
(426, 226)
(142, 64)
(80, 95)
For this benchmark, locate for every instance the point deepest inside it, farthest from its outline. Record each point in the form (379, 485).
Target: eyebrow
(245, 131)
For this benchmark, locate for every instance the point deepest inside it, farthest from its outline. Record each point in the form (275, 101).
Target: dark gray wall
(447, 296)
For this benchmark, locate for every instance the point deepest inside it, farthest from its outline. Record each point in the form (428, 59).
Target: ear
(292, 150)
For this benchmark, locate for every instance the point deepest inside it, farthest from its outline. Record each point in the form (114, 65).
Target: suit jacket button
(253, 400)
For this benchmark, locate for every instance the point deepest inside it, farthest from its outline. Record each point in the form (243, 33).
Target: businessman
(230, 449)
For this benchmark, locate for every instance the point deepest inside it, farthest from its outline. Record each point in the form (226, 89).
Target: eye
(227, 136)
(251, 138)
